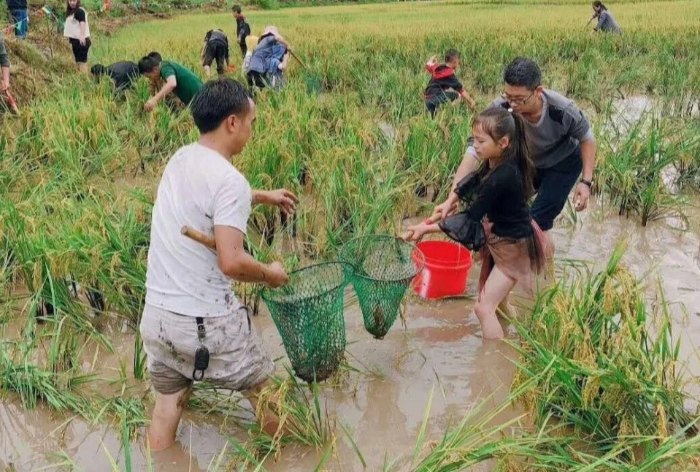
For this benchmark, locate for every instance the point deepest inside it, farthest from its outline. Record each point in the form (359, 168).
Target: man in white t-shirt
(189, 302)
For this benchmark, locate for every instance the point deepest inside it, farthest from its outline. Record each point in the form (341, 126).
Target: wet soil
(383, 406)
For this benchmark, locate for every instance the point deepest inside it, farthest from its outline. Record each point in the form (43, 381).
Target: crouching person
(190, 306)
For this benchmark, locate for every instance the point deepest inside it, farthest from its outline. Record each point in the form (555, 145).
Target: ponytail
(499, 122)
(520, 152)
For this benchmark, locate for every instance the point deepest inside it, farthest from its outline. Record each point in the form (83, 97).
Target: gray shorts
(237, 360)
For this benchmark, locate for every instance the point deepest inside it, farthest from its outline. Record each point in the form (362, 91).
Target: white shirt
(71, 27)
(199, 188)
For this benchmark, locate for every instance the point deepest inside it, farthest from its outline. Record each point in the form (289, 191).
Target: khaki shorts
(237, 360)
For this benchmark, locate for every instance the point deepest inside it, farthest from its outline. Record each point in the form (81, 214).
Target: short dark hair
(523, 72)
(217, 100)
(237, 9)
(98, 69)
(451, 55)
(147, 64)
(155, 55)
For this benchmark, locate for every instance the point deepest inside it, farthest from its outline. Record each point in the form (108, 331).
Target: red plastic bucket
(447, 266)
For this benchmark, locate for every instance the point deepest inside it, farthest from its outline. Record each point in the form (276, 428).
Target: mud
(384, 406)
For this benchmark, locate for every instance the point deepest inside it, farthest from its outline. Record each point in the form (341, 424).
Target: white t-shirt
(199, 188)
(71, 27)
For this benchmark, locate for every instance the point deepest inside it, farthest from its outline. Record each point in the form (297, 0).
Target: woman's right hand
(445, 209)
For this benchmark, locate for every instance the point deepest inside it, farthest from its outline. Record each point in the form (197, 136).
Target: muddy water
(440, 348)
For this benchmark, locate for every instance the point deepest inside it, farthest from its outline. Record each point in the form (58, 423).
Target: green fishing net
(308, 313)
(383, 268)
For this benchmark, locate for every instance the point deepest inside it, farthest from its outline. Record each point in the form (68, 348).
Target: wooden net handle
(199, 237)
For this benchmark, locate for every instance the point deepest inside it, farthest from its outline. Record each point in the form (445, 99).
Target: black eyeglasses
(517, 101)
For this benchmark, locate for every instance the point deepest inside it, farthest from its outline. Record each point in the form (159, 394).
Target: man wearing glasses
(562, 145)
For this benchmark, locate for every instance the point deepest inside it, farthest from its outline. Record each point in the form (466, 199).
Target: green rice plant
(32, 385)
(632, 174)
(301, 419)
(606, 363)
(139, 367)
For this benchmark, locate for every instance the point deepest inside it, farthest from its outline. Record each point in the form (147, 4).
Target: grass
(80, 168)
(605, 362)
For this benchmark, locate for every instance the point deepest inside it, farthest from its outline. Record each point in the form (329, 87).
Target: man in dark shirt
(215, 47)
(18, 17)
(123, 73)
(444, 86)
(242, 29)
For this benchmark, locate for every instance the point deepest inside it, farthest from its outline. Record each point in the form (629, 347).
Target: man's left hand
(5, 86)
(581, 196)
(283, 199)
(150, 105)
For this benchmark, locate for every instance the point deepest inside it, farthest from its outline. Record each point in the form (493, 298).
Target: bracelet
(588, 183)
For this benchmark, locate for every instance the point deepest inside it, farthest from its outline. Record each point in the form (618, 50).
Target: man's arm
(237, 264)
(167, 89)
(281, 198)
(589, 148)
(5, 65)
(468, 98)
(5, 78)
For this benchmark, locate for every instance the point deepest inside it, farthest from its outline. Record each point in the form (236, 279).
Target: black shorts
(553, 186)
(434, 102)
(257, 79)
(218, 51)
(80, 53)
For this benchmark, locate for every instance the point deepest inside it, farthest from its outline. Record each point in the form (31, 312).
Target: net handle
(199, 237)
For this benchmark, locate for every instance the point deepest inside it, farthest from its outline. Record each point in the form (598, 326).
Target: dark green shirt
(188, 84)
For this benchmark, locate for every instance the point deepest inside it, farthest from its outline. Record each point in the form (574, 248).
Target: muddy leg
(506, 309)
(166, 418)
(269, 422)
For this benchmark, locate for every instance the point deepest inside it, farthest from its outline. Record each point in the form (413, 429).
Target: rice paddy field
(599, 373)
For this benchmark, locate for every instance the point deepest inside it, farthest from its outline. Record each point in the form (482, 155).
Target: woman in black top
(497, 221)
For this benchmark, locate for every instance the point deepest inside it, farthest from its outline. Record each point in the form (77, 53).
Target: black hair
(147, 64)
(98, 69)
(599, 4)
(500, 122)
(237, 9)
(70, 11)
(155, 55)
(523, 72)
(217, 100)
(451, 54)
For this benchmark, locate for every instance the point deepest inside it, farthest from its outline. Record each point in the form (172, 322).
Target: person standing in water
(606, 20)
(510, 242)
(191, 312)
(561, 142)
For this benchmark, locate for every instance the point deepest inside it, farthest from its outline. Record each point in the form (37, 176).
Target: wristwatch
(589, 183)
